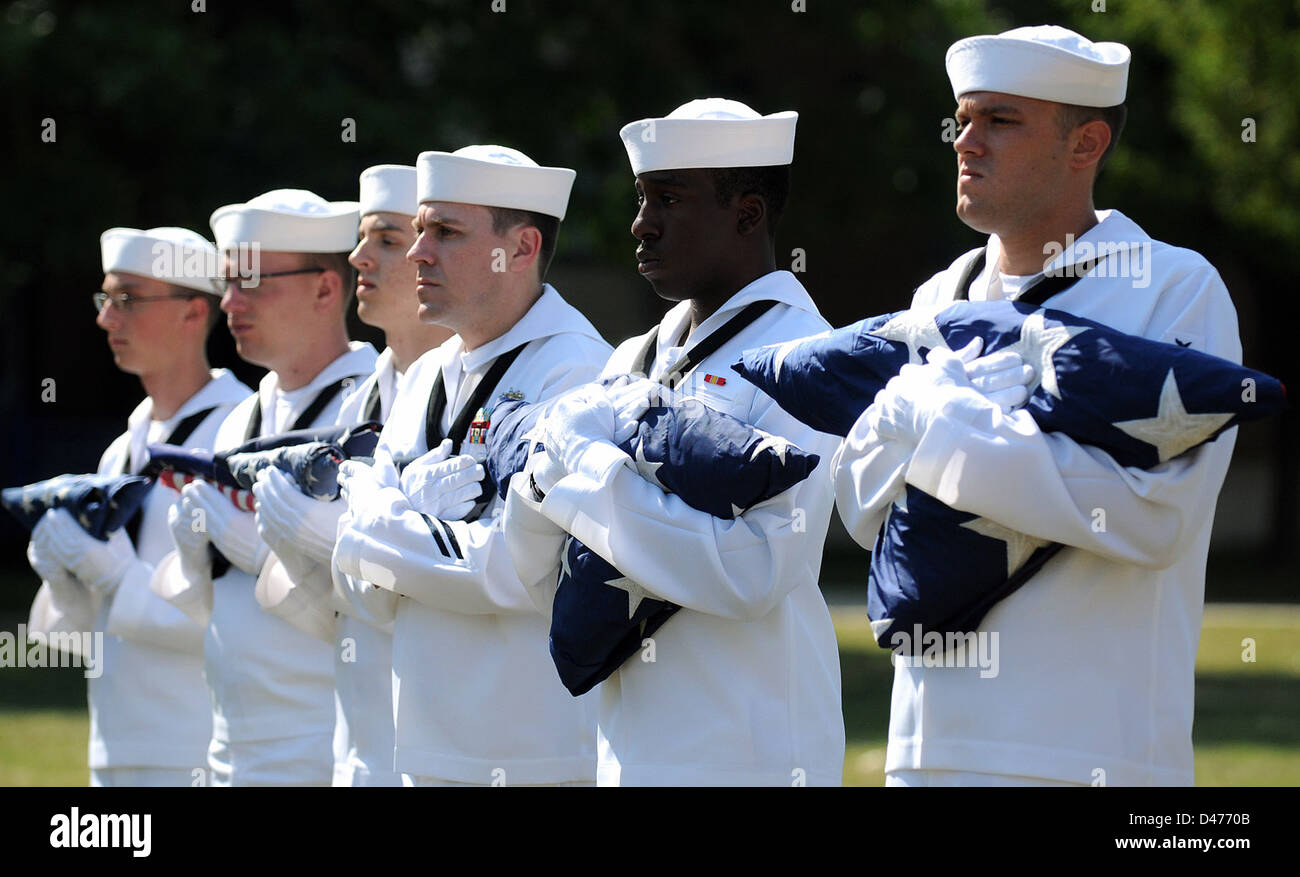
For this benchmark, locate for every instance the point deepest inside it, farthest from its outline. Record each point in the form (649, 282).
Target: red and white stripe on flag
(240, 498)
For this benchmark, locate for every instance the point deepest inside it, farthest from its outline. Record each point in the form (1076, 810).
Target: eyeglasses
(227, 282)
(125, 301)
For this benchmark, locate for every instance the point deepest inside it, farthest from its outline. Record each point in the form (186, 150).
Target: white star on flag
(776, 443)
(635, 593)
(898, 506)
(1173, 430)
(1037, 346)
(564, 558)
(1019, 545)
(916, 328)
(29, 502)
(649, 471)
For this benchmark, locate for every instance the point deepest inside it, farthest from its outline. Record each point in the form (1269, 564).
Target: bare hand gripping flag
(100, 503)
(1141, 401)
(710, 460)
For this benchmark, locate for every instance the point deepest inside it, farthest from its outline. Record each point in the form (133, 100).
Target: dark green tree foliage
(164, 113)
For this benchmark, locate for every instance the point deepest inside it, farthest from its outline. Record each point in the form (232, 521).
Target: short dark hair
(505, 218)
(338, 263)
(214, 311)
(1072, 116)
(771, 182)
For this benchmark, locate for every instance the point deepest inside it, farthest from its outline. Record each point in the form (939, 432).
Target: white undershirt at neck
(1014, 284)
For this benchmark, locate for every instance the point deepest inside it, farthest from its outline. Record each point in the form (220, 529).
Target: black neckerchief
(374, 405)
(323, 398)
(177, 436)
(1035, 294)
(433, 434)
(702, 349)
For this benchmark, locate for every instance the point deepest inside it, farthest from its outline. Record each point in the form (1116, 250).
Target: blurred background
(163, 113)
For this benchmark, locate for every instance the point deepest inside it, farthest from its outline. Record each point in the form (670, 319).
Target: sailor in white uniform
(301, 531)
(150, 717)
(272, 684)
(1097, 651)
(744, 685)
(476, 698)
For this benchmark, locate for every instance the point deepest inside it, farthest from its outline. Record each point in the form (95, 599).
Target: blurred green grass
(1247, 730)
(1247, 725)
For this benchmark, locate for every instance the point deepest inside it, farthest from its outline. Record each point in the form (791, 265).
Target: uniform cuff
(598, 459)
(347, 553)
(567, 498)
(194, 598)
(939, 456)
(280, 595)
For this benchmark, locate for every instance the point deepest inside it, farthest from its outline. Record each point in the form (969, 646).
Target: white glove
(234, 532)
(575, 422)
(99, 565)
(1003, 378)
(631, 398)
(541, 472)
(67, 591)
(916, 396)
(443, 486)
(289, 519)
(359, 482)
(190, 533)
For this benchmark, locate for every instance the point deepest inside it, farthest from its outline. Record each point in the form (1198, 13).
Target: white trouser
(411, 781)
(966, 778)
(289, 761)
(143, 776)
(354, 773)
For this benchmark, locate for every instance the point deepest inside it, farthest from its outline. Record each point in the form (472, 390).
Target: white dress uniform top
(744, 688)
(363, 655)
(272, 685)
(1097, 651)
(475, 693)
(363, 735)
(359, 599)
(363, 732)
(149, 710)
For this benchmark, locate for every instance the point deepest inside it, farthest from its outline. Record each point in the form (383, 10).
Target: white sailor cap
(288, 221)
(174, 255)
(1044, 62)
(710, 133)
(389, 188)
(494, 176)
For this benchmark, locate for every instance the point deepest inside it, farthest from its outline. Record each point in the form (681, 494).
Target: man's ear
(196, 312)
(1089, 142)
(751, 213)
(527, 247)
(329, 289)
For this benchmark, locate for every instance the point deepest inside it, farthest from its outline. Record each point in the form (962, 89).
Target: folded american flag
(310, 457)
(1141, 401)
(357, 440)
(710, 460)
(314, 466)
(100, 503)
